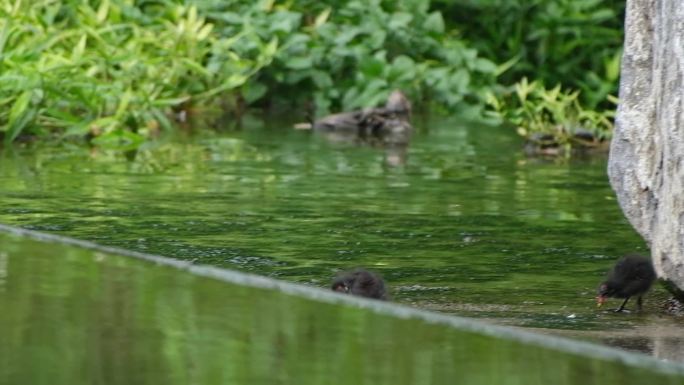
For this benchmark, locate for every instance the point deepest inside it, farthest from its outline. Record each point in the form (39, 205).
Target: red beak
(600, 300)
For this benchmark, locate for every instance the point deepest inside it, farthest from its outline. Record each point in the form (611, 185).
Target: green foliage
(110, 69)
(532, 108)
(575, 43)
(119, 70)
(350, 54)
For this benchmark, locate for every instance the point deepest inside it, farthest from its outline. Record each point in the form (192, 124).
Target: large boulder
(646, 165)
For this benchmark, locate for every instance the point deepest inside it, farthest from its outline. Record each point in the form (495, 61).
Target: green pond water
(76, 316)
(461, 222)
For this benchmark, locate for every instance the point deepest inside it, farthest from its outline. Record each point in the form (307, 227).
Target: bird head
(604, 291)
(342, 285)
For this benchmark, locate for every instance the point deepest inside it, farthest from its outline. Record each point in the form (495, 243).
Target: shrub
(349, 54)
(111, 70)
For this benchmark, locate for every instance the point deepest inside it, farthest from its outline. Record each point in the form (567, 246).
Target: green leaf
(268, 51)
(123, 103)
(79, 129)
(485, 66)
(164, 122)
(459, 81)
(204, 32)
(372, 94)
(377, 39)
(322, 17)
(232, 82)
(399, 20)
(78, 50)
(105, 123)
(602, 15)
(254, 91)
(612, 66)
(102, 11)
(4, 34)
(166, 102)
(285, 22)
(267, 5)
(20, 115)
(347, 36)
(372, 67)
(322, 79)
(18, 108)
(299, 63)
(195, 66)
(403, 68)
(508, 64)
(434, 23)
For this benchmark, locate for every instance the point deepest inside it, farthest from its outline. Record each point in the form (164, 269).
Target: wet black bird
(631, 276)
(360, 282)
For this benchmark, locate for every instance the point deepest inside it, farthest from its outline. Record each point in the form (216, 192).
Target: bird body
(360, 282)
(631, 276)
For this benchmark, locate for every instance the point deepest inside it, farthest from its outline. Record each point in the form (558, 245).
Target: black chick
(360, 282)
(631, 276)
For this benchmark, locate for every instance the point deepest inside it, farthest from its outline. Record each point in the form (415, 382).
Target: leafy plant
(534, 109)
(575, 43)
(118, 71)
(111, 70)
(350, 54)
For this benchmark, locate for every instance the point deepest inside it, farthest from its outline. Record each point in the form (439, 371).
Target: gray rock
(647, 150)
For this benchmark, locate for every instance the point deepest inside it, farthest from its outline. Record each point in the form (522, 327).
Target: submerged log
(389, 124)
(646, 164)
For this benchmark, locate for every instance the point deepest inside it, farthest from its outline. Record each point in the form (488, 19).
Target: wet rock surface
(647, 150)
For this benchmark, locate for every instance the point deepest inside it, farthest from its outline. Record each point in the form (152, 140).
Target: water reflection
(394, 155)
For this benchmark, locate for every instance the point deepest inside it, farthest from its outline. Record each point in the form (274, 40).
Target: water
(77, 316)
(462, 222)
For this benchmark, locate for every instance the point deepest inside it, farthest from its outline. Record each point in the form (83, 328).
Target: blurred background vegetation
(117, 72)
